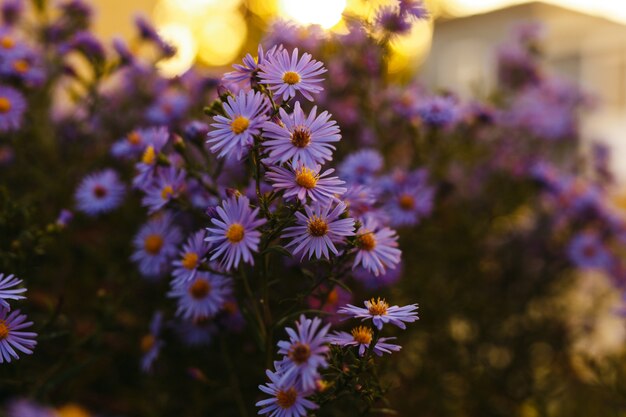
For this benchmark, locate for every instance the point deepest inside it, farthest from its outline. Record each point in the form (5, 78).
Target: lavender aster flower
(247, 72)
(194, 251)
(11, 336)
(234, 232)
(169, 107)
(361, 167)
(135, 142)
(305, 352)
(287, 400)
(168, 185)
(151, 343)
(100, 192)
(244, 118)
(586, 250)
(203, 296)
(6, 293)
(317, 232)
(156, 246)
(439, 111)
(305, 140)
(27, 408)
(362, 337)
(12, 107)
(303, 183)
(377, 248)
(381, 313)
(197, 332)
(409, 204)
(11, 11)
(286, 75)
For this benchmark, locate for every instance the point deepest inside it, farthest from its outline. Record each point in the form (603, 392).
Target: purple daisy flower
(319, 230)
(151, 343)
(192, 255)
(203, 296)
(147, 167)
(234, 233)
(390, 20)
(247, 72)
(287, 400)
(135, 142)
(197, 332)
(286, 75)
(381, 313)
(409, 204)
(12, 107)
(234, 133)
(302, 182)
(361, 167)
(25, 65)
(168, 185)
(302, 139)
(6, 293)
(362, 337)
(305, 352)
(168, 108)
(377, 248)
(28, 408)
(100, 192)
(156, 246)
(11, 336)
(586, 250)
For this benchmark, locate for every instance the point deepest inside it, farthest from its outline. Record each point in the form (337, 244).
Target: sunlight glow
(186, 48)
(326, 13)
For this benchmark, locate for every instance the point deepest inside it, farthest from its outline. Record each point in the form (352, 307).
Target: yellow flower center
(299, 353)
(306, 178)
(366, 241)
(239, 124)
(286, 399)
(200, 289)
(147, 342)
(378, 307)
(134, 138)
(4, 330)
(362, 335)
(149, 156)
(301, 137)
(407, 202)
(235, 233)
(21, 66)
(291, 77)
(333, 297)
(190, 260)
(317, 226)
(5, 105)
(72, 410)
(167, 192)
(7, 42)
(153, 244)
(99, 191)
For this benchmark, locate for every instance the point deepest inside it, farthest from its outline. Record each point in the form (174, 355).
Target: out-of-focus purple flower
(28, 408)
(167, 186)
(88, 45)
(408, 204)
(100, 192)
(169, 107)
(198, 332)
(362, 337)
(12, 338)
(414, 8)
(286, 398)
(156, 246)
(381, 313)
(195, 130)
(152, 343)
(11, 11)
(23, 64)
(306, 183)
(438, 111)
(122, 50)
(202, 296)
(12, 107)
(329, 301)
(147, 32)
(360, 167)
(135, 142)
(286, 76)
(390, 20)
(193, 253)
(586, 250)
(301, 139)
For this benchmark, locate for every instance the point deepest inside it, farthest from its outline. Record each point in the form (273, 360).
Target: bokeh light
(326, 13)
(221, 40)
(182, 38)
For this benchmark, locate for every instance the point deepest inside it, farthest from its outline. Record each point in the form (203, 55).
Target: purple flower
(586, 250)
(247, 72)
(11, 11)
(27, 408)
(198, 332)
(287, 400)
(12, 107)
(100, 192)
(6, 293)
(414, 8)
(192, 255)
(234, 133)
(361, 167)
(147, 167)
(409, 204)
(304, 140)
(125, 54)
(151, 343)
(305, 352)
(11, 336)
(377, 248)
(390, 20)
(234, 233)
(156, 246)
(203, 296)
(135, 142)
(167, 186)
(362, 337)
(381, 313)
(286, 75)
(439, 111)
(303, 183)
(23, 64)
(319, 230)
(169, 107)
(88, 45)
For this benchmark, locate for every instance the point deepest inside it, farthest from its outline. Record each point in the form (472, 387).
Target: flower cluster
(13, 338)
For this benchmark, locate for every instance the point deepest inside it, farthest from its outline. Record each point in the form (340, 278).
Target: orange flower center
(7, 42)
(317, 226)
(301, 137)
(99, 191)
(153, 244)
(5, 105)
(333, 297)
(72, 410)
(149, 155)
(235, 233)
(286, 399)
(239, 124)
(147, 342)
(362, 335)
(306, 178)
(200, 289)
(378, 307)
(291, 77)
(4, 330)
(21, 66)
(366, 241)
(407, 202)
(134, 138)
(190, 260)
(299, 353)
(167, 192)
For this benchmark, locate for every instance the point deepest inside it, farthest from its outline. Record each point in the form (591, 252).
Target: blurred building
(588, 50)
